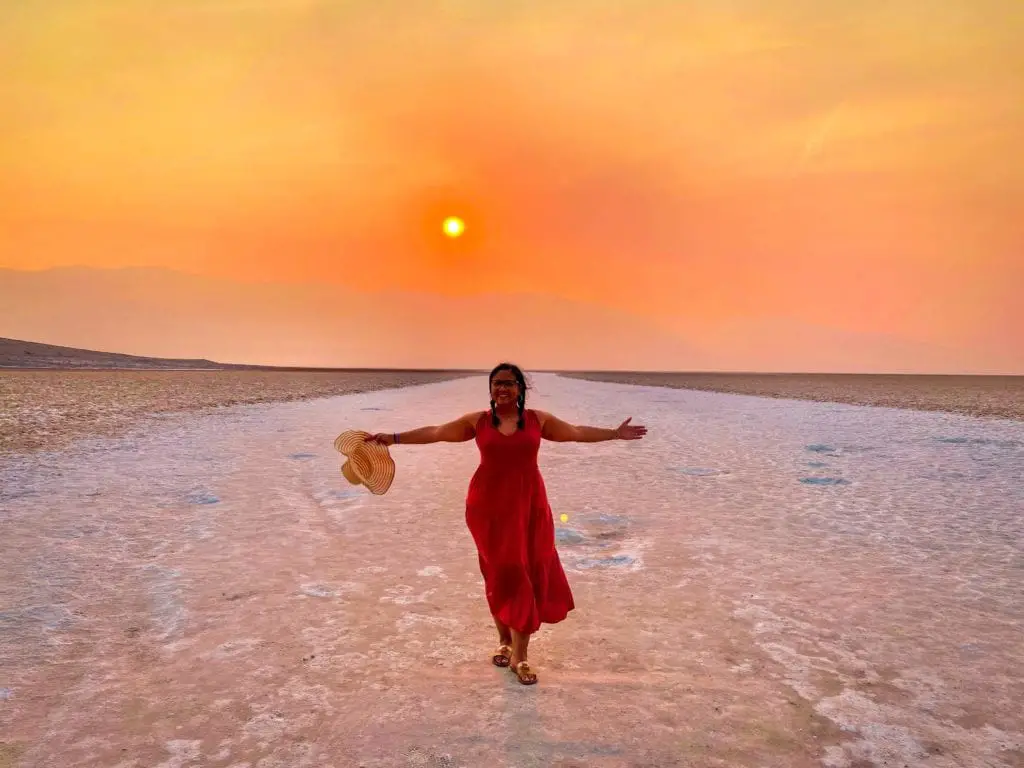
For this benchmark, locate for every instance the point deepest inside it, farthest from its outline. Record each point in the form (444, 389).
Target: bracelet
(395, 436)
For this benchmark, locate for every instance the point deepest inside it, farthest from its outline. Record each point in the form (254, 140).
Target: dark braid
(520, 401)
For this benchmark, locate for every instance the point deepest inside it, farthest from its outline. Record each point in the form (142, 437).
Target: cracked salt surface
(232, 601)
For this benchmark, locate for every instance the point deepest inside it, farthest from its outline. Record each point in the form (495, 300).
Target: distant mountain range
(29, 354)
(15, 353)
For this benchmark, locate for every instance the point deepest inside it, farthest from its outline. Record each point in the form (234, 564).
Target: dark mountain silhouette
(15, 353)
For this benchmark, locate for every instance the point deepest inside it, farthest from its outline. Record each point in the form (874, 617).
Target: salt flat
(759, 583)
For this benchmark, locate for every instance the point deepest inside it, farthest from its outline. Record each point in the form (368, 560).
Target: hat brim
(350, 473)
(347, 442)
(370, 462)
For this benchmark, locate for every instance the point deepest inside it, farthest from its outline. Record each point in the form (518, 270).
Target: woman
(507, 509)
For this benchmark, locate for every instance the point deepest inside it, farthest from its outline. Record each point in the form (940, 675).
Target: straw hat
(368, 464)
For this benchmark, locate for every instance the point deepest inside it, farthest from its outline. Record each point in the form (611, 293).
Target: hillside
(15, 353)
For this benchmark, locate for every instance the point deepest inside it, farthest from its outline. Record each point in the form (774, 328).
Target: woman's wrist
(596, 434)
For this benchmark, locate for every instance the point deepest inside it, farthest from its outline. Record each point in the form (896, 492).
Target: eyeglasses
(504, 383)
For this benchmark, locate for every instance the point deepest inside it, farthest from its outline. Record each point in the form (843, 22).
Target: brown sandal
(524, 674)
(503, 656)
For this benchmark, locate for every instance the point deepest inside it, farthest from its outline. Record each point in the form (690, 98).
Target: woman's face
(504, 388)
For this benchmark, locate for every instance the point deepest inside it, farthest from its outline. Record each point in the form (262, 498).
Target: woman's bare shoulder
(542, 416)
(473, 417)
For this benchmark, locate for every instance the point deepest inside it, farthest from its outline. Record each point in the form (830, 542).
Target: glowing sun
(453, 226)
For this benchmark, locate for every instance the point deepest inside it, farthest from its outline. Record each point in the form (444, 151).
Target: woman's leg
(501, 657)
(520, 645)
(504, 633)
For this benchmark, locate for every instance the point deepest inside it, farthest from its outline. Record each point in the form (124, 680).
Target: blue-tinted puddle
(317, 590)
(611, 519)
(817, 464)
(945, 475)
(979, 441)
(202, 497)
(301, 456)
(824, 481)
(568, 536)
(605, 562)
(821, 448)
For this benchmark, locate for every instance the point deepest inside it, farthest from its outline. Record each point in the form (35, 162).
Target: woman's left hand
(627, 431)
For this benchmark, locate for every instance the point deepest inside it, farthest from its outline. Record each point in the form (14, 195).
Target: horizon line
(220, 367)
(203, 364)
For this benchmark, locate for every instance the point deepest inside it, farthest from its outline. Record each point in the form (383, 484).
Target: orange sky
(697, 164)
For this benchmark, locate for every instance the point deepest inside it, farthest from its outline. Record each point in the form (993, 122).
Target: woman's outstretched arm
(458, 431)
(556, 430)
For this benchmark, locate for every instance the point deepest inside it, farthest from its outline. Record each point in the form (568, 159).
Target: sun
(453, 226)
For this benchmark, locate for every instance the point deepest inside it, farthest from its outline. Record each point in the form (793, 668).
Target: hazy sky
(696, 163)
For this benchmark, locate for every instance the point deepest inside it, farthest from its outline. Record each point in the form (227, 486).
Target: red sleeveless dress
(507, 512)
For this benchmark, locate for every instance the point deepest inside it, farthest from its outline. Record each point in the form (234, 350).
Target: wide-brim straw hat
(369, 463)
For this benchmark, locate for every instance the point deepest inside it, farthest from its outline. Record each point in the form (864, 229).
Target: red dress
(507, 512)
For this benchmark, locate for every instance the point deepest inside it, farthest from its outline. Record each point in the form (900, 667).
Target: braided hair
(520, 401)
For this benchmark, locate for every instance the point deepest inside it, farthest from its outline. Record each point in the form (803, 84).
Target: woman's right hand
(383, 439)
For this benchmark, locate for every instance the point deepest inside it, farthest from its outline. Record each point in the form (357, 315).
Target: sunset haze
(675, 185)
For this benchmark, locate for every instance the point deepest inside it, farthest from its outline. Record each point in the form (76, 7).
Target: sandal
(524, 674)
(503, 656)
